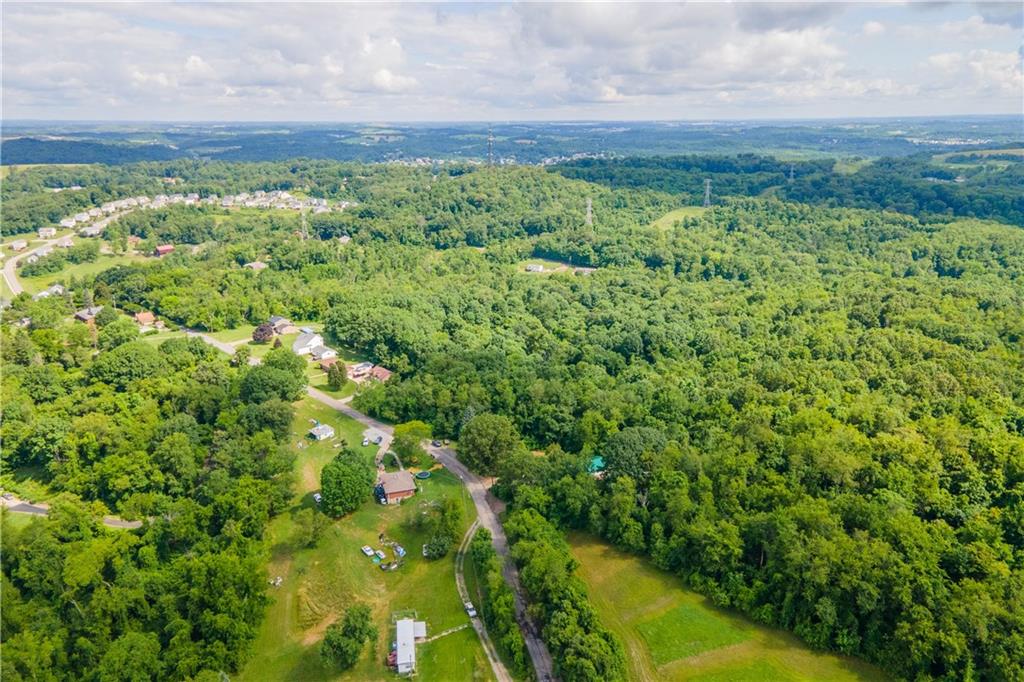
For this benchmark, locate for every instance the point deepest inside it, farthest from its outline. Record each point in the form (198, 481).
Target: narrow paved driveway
(500, 671)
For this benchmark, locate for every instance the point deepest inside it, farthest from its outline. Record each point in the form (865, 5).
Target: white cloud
(981, 71)
(873, 28)
(569, 60)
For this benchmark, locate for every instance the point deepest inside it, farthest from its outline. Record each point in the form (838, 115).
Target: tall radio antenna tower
(707, 193)
(590, 213)
(490, 146)
(791, 169)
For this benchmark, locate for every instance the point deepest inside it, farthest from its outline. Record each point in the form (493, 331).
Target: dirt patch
(316, 633)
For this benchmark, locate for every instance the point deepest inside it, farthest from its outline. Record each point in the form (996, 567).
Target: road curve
(10, 266)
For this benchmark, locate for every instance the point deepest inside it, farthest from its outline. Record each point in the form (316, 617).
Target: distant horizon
(695, 121)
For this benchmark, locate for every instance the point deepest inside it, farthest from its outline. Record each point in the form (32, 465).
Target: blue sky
(423, 62)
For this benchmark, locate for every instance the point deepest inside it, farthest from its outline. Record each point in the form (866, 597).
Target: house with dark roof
(395, 486)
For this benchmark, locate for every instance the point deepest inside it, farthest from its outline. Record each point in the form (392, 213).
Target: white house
(323, 353)
(65, 242)
(81, 217)
(405, 645)
(321, 432)
(47, 232)
(19, 245)
(91, 231)
(305, 344)
(67, 222)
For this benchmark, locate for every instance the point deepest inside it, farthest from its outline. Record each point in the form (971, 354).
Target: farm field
(318, 583)
(672, 633)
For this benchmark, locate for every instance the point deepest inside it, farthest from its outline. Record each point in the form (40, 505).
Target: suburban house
(47, 232)
(407, 633)
(380, 374)
(534, 267)
(393, 487)
(88, 314)
(282, 325)
(163, 250)
(65, 242)
(19, 245)
(327, 363)
(344, 239)
(91, 231)
(67, 222)
(321, 432)
(55, 290)
(360, 370)
(305, 344)
(144, 318)
(323, 353)
(256, 265)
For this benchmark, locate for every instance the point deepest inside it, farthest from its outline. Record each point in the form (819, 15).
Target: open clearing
(672, 217)
(320, 582)
(79, 270)
(672, 633)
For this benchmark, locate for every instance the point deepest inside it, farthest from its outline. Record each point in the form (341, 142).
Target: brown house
(380, 374)
(397, 486)
(326, 363)
(144, 318)
(163, 250)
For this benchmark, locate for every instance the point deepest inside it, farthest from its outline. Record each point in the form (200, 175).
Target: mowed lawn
(320, 582)
(672, 633)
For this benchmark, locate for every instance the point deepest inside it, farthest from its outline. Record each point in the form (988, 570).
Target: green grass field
(672, 633)
(104, 262)
(672, 217)
(320, 582)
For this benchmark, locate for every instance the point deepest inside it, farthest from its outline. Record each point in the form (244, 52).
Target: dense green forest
(170, 435)
(811, 414)
(914, 185)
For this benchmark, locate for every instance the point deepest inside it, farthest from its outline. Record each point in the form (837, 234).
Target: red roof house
(163, 250)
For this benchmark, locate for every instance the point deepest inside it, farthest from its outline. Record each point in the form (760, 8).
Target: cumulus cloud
(571, 60)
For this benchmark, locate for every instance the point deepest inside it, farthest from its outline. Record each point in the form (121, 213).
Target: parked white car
(317, 497)
(470, 609)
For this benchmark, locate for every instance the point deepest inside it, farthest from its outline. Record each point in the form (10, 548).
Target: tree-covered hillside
(168, 435)
(814, 415)
(914, 185)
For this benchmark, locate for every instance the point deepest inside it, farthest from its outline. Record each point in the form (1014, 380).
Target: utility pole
(490, 146)
(590, 213)
(707, 193)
